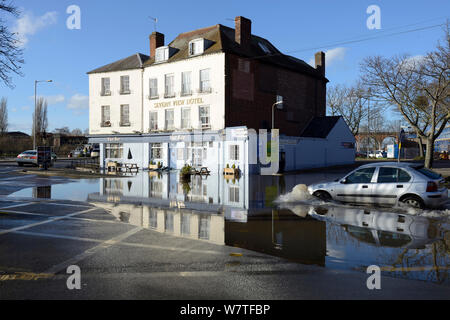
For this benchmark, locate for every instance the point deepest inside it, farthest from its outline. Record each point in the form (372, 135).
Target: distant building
(443, 142)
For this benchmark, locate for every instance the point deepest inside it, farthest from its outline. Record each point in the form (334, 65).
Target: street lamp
(35, 114)
(279, 103)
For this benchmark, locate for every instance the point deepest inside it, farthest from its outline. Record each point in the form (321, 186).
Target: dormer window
(162, 54)
(196, 47)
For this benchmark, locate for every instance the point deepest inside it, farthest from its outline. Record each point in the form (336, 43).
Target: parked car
(380, 154)
(27, 157)
(387, 184)
(95, 153)
(361, 154)
(31, 157)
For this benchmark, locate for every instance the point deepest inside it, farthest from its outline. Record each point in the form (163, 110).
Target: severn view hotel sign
(178, 103)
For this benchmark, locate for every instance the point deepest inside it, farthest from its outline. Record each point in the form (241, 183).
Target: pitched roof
(222, 39)
(136, 61)
(320, 127)
(17, 134)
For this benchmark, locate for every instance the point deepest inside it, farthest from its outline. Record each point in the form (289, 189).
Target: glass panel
(186, 83)
(169, 91)
(153, 88)
(185, 118)
(169, 120)
(204, 116)
(204, 81)
(153, 120)
(361, 176)
(124, 114)
(125, 84)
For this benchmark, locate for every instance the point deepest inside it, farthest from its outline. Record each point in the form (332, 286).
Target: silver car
(27, 157)
(387, 184)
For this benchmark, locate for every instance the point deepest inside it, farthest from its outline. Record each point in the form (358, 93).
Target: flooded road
(260, 214)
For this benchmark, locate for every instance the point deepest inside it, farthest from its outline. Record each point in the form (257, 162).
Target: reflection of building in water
(42, 192)
(282, 234)
(178, 222)
(211, 194)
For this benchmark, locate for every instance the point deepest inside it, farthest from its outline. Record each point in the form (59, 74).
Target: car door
(391, 183)
(357, 187)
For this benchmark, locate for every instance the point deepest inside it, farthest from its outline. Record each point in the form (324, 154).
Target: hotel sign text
(178, 103)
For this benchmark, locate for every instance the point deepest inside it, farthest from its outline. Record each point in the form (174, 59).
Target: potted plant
(185, 173)
(153, 166)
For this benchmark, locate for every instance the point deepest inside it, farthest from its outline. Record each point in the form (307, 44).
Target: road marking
(104, 245)
(56, 236)
(126, 244)
(17, 206)
(24, 276)
(23, 213)
(43, 222)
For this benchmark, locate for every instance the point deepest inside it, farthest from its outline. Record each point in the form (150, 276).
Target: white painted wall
(215, 99)
(96, 101)
(317, 153)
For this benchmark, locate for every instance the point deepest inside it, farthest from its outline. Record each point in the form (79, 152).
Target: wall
(252, 88)
(306, 153)
(215, 99)
(96, 101)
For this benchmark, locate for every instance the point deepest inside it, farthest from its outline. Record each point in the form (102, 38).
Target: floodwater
(276, 216)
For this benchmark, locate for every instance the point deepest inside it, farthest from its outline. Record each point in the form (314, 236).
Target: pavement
(41, 239)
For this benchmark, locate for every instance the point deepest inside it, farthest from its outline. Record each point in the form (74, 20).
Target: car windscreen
(428, 173)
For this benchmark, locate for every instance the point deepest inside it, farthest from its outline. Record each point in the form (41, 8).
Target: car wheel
(322, 195)
(413, 202)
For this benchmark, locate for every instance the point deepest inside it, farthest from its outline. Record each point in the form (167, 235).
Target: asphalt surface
(40, 239)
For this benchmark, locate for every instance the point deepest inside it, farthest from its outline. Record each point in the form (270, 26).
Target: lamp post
(279, 103)
(35, 106)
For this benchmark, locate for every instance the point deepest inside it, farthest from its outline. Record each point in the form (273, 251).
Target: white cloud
(25, 108)
(28, 25)
(78, 102)
(333, 55)
(51, 100)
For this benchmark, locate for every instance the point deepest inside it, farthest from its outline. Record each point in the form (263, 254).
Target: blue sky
(112, 30)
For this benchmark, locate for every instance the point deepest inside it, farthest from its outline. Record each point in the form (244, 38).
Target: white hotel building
(194, 100)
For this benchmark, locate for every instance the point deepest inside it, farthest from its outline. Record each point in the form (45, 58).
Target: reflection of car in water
(387, 184)
(382, 228)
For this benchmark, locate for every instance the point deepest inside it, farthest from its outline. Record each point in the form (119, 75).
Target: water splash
(299, 194)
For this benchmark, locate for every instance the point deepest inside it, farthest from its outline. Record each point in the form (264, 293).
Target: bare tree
(40, 121)
(350, 103)
(417, 87)
(3, 116)
(77, 132)
(10, 50)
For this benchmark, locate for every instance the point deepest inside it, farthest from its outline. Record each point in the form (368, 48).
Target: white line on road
(104, 245)
(43, 222)
(126, 244)
(23, 213)
(18, 205)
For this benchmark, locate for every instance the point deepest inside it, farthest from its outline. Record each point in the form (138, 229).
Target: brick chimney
(243, 32)
(321, 62)
(156, 41)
